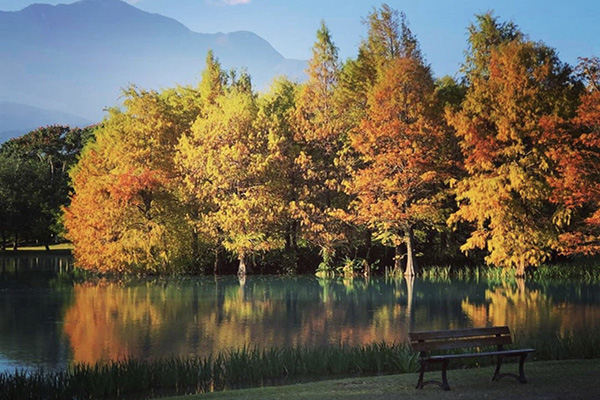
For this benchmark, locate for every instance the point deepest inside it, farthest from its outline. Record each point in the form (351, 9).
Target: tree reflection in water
(52, 321)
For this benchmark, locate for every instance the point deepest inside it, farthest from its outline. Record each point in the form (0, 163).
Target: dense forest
(371, 161)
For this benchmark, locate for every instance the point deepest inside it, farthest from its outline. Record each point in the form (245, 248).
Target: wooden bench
(475, 339)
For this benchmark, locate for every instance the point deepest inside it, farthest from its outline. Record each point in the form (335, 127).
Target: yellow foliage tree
(225, 164)
(319, 135)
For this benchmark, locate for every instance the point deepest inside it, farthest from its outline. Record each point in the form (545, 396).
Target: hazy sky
(572, 27)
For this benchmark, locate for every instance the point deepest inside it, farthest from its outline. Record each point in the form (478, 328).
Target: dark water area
(48, 320)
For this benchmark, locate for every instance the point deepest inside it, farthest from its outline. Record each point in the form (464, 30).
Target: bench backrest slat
(460, 338)
(461, 343)
(458, 333)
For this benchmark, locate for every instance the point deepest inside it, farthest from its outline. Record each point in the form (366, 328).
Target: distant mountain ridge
(76, 57)
(18, 119)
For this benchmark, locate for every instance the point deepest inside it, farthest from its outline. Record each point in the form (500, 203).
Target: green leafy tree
(35, 181)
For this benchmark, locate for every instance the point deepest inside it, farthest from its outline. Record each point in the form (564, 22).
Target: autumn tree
(125, 214)
(213, 79)
(388, 37)
(276, 120)
(319, 134)
(226, 166)
(400, 145)
(513, 84)
(574, 150)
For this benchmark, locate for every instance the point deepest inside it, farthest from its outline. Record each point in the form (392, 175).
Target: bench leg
(522, 377)
(496, 376)
(420, 382)
(445, 385)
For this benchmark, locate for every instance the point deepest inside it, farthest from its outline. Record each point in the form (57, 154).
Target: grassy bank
(570, 379)
(55, 248)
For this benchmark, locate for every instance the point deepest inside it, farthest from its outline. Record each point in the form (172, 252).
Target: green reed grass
(245, 367)
(251, 367)
(585, 270)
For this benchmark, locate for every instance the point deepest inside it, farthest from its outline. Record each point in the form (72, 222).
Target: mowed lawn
(55, 247)
(553, 380)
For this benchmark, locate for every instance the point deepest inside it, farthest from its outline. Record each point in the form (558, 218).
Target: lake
(48, 320)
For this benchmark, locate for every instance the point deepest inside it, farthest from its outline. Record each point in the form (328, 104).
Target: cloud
(227, 2)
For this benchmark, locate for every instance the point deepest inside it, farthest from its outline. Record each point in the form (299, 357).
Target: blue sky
(571, 27)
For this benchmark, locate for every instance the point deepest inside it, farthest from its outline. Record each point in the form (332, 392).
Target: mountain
(18, 119)
(75, 58)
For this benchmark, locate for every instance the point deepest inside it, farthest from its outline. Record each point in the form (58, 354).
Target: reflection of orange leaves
(90, 327)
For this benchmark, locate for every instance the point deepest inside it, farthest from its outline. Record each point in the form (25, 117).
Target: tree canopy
(365, 155)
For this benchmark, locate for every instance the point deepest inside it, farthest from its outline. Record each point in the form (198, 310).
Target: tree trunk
(16, 242)
(397, 259)
(368, 244)
(218, 260)
(411, 263)
(195, 248)
(521, 285)
(520, 273)
(242, 267)
(366, 268)
(290, 251)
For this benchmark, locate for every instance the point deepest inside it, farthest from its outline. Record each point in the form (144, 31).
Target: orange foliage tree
(400, 145)
(125, 213)
(575, 152)
(513, 85)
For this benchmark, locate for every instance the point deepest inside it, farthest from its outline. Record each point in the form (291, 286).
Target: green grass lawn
(54, 247)
(570, 379)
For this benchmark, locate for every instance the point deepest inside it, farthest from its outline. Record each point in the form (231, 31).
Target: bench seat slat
(515, 352)
(461, 343)
(459, 333)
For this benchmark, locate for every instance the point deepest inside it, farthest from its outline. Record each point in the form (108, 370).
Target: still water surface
(47, 320)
